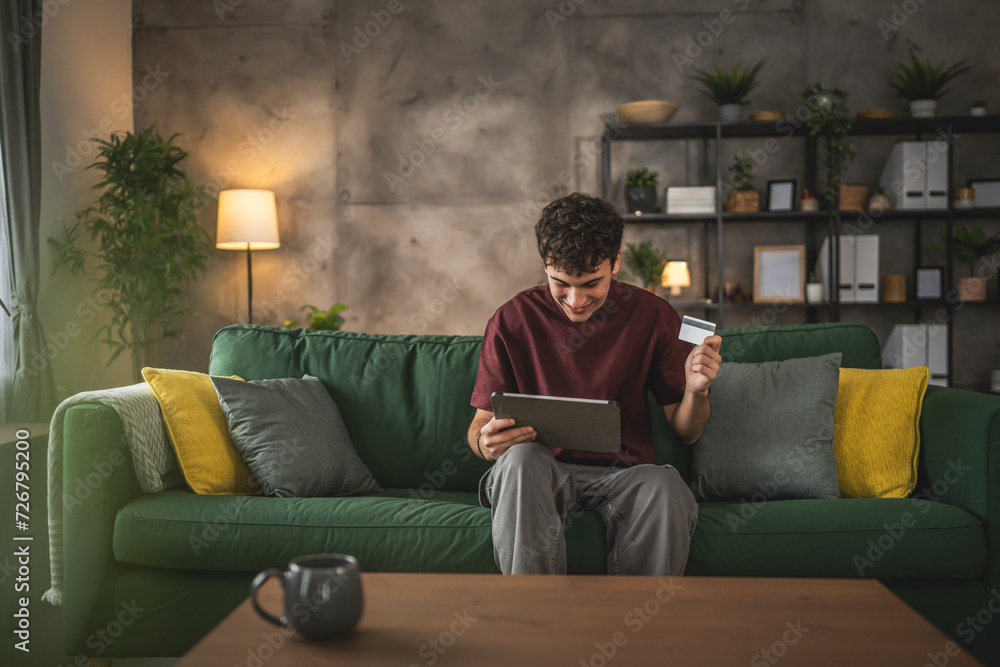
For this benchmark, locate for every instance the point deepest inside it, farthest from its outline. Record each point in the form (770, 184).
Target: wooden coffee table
(480, 620)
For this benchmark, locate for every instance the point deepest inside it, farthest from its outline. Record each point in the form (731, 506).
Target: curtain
(33, 394)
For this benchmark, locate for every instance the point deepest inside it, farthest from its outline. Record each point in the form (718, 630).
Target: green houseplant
(640, 189)
(742, 197)
(977, 108)
(321, 320)
(970, 246)
(645, 263)
(830, 117)
(150, 245)
(923, 83)
(729, 88)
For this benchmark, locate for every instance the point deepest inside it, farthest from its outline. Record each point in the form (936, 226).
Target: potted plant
(923, 83)
(879, 200)
(814, 289)
(640, 190)
(321, 320)
(969, 247)
(808, 202)
(729, 89)
(644, 263)
(830, 117)
(150, 245)
(741, 197)
(978, 108)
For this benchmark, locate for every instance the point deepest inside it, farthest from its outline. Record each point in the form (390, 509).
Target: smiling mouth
(577, 310)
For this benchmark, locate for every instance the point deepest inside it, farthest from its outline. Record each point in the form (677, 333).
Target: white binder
(866, 279)
(916, 173)
(912, 345)
(858, 278)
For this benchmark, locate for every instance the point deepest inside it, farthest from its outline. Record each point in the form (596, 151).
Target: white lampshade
(248, 219)
(675, 276)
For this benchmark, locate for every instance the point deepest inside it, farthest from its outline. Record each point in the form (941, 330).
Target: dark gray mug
(323, 597)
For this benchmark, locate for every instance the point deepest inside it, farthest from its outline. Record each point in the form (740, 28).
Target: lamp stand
(249, 288)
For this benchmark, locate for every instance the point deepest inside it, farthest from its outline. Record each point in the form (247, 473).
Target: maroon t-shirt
(626, 348)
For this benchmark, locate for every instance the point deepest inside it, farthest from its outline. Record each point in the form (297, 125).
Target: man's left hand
(702, 365)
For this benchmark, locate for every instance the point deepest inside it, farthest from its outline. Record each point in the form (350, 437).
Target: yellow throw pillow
(877, 431)
(197, 429)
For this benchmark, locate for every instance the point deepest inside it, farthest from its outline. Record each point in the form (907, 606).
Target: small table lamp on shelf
(675, 276)
(248, 220)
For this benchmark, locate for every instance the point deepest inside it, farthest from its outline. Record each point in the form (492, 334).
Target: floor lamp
(248, 220)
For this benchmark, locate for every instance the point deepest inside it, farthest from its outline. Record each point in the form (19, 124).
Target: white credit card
(695, 331)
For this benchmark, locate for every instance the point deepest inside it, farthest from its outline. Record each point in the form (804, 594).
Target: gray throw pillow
(770, 436)
(292, 438)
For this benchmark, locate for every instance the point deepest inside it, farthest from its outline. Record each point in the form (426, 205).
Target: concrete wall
(410, 163)
(86, 91)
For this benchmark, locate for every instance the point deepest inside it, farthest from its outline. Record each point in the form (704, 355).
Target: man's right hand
(496, 436)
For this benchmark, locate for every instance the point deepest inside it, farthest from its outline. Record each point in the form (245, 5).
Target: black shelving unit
(920, 129)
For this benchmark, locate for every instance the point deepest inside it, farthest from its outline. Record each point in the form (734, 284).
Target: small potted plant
(978, 108)
(814, 289)
(729, 89)
(644, 263)
(879, 200)
(321, 320)
(969, 246)
(830, 117)
(640, 190)
(742, 198)
(923, 83)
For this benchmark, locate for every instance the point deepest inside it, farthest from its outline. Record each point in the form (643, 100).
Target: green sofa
(180, 562)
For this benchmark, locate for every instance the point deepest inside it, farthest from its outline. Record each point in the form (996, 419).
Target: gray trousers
(648, 510)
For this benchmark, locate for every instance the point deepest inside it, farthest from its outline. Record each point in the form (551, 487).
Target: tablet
(572, 423)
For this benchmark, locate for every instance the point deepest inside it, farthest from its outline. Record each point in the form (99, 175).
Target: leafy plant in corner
(741, 173)
(970, 246)
(644, 262)
(641, 177)
(321, 320)
(150, 245)
(830, 117)
(729, 86)
(923, 81)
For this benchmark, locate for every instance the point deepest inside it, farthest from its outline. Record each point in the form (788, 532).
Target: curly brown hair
(576, 233)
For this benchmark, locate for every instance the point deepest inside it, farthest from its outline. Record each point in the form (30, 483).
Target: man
(585, 335)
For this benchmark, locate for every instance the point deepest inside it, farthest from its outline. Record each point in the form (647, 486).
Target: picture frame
(781, 195)
(928, 282)
(987, 191)
(779, 273)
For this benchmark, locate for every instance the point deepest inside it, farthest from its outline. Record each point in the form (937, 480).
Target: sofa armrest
(960, 442)
(98, 480)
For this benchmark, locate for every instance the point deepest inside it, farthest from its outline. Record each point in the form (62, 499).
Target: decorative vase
(853, 196)
(879, 203)
(730, 113)
(972, 289)
(977, 111)
(923, 108)
(814, 292)
(810, 204)
(894, 288)
(640, 199)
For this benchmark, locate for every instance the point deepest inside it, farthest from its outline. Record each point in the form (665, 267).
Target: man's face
(582, 296)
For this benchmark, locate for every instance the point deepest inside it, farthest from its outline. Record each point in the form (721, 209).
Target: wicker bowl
(743, 201)
(767, 115)
(647, 111)
(853, 196)
(876, 113)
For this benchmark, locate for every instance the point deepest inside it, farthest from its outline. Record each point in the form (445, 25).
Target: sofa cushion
(448, 531)
(197, 429)
(404, 399)
(858, 537)
(877, 442)
(771, 427)
(393, 531)
(292, 437)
